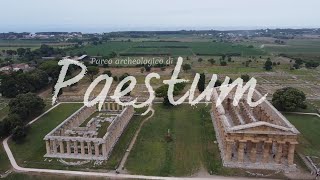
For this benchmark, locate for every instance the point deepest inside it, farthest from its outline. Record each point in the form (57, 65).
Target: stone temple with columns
(88, 133)
(253, 137)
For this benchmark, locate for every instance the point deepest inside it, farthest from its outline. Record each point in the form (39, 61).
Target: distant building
(16, 67)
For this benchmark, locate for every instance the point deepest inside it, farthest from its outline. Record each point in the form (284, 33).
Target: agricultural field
(32, 44)
(168, 48)
(308, 47)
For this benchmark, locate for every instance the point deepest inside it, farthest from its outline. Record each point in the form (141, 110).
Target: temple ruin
(253, 137)
(88, 133)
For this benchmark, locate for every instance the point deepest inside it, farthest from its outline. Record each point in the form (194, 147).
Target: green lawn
(309, 128)
(192, 146)
(30, 152)
(124, 142)
(4, 161)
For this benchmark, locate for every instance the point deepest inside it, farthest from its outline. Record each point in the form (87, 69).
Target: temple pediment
(261, 127)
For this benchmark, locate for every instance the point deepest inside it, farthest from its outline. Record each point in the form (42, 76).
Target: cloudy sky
(113, 15)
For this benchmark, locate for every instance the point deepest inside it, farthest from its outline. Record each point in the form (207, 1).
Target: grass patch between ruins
(308, 126)
(192, 147)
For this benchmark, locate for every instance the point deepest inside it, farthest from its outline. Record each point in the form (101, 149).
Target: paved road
(17, 168)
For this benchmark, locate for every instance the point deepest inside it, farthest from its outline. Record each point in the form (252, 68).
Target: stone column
(104, 106)
(75, 147)
(279, 152)
(228, 150)
(104, 150)
(96, 149)
(241, 150)
(253, 153)
(291, 154)
(54, 146)
(48, 147)
(82, 148)
(266, 151)
(61, 147)
(68, 147)
(108, 103)
(113, 106)
(118, 107)
(89, 148)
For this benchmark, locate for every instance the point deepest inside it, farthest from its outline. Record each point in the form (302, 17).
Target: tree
(186, 67)
(147, 67)
(223, 63)
(200, 60)
(289, 99)
(142, 69)
(166, 101)
(21, 51)
(26, 106)
(223, 57)
(125, 86)
(9, 123)
(268, 65)
(212, 61)
(245, 77)
(92, 71)
(162, 91)
(19, 133)
(123, 76)
(51, 68)
(108, 72)
(113, 54)
(202, 82)
(312, 65)
(218, 83)
(229, 59)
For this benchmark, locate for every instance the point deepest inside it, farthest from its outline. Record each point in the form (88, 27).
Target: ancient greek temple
(89, 133)
(253, 137)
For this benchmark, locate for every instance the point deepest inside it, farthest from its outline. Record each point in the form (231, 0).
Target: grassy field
(309, 128)
(14, 44)
(4, 161)
(30, 152)
(296, 47)
(123, 142)
(40, 176)
(192, 147)
(169, 48)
